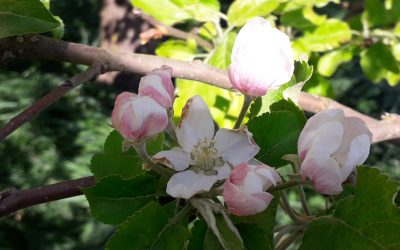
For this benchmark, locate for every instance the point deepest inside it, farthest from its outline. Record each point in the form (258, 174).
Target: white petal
(269, 174)
(187, 183)
(196, 124)
(358, 153)
(175, 158)
(224, 171)
(235, 145)
(310, 130)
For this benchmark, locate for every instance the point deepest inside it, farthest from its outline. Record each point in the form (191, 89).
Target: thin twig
(28, 114)
(302, 195)
(13, 200)
(246, 104)
(174, 32)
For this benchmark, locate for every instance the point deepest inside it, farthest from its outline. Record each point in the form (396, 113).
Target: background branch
(13, 200)
(91, 73)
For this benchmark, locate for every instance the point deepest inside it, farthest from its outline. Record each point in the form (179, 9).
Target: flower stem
(142, 152)
(290, 239)
(170, 129)
(246, 104)
(285, 185)
(301, 193)
(285, 230)
(288, 209)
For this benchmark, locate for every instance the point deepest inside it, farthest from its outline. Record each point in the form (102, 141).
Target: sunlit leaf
(330, 61)
(240, 11)
(327, 36)
(165, 11)
(177, 49)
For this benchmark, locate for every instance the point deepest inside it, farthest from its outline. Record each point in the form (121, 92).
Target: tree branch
(45, 48)
(91, 73)
(13, 200)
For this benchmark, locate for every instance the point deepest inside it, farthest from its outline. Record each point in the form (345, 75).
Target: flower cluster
(330, 145)
(139, 117)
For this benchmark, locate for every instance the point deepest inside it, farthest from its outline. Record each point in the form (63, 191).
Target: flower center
(205, 156)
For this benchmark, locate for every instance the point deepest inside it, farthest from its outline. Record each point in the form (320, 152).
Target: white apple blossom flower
(330, 147)
(203, 158)
(261, 59)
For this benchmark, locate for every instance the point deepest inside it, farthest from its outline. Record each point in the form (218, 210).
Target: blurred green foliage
(354, 47)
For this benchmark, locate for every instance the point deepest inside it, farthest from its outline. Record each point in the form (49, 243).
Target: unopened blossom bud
(244, 191)
(262, 58)
(158, 86)
(138, 117)
(330, 147)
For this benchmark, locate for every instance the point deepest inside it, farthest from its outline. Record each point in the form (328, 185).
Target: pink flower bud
(158, 86)
(330, 147)
(138, 117)
(244, 191)
(262, 58)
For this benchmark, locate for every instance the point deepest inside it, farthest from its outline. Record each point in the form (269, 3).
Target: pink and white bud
(158, 86)
(244, 191)
(330, 147)
(262, 58)
(138, 117)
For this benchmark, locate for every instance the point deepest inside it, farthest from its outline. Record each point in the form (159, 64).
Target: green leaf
(250, 227)
(19, 17)
(241, 11)
(283, 126)
(378, 13)
(290, 90)
(330, 61)
(165, 11)
(366, 220)
(113, 199)
(221, 58)
(297, 4)
(201, 10)
(327, 36)
(177, 49)
(319, 85)
(254, 237)
(113, 143)
(155, 144)
(229, 238)
(149, 228)
(198, 233)
(378, 62)
(105, 164)
(303, 19)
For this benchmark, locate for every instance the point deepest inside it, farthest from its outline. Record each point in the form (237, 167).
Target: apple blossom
(203, 158)
(138, 117)
(244, 191)
(261, 59)
(158, 86)
(330, 147)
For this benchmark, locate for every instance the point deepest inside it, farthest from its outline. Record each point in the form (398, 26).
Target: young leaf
(330, 61)
(149, 228)
(21, 17)
(378, 62)
(277, 132)
(113, 199)
(221, 58)
(290, 90)
(198, 233)
(366, 220)
(165, 11)
(176, 49)
(327, 36)
(241, 11)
